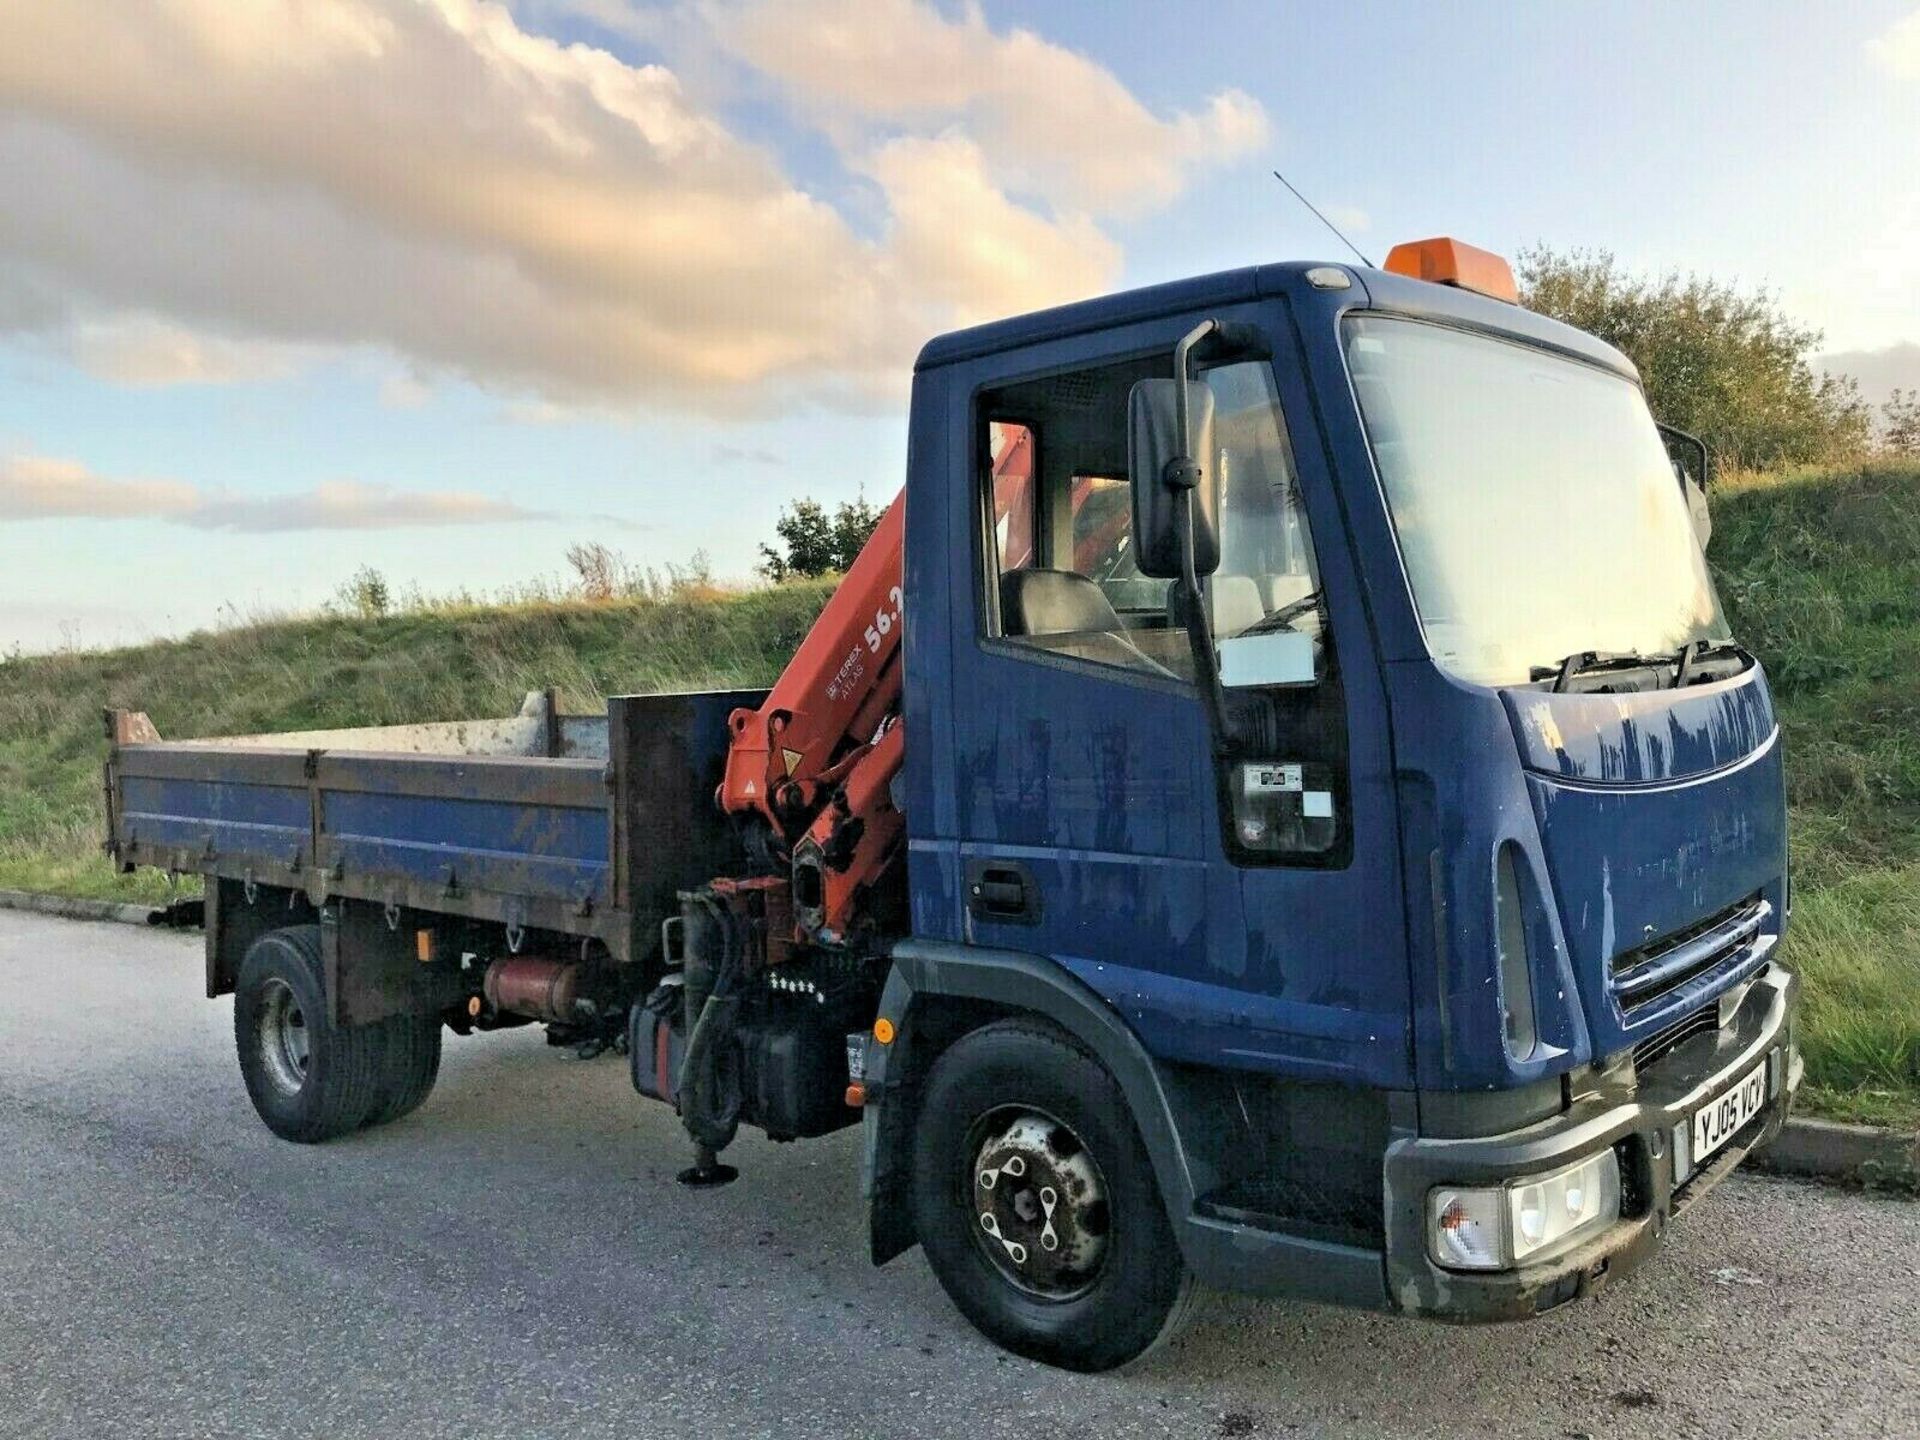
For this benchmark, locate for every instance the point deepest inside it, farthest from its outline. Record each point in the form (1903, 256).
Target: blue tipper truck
(1277, 805)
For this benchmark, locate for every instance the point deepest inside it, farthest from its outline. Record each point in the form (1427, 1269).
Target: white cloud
(1046, 118)
(1350, 218)
(1898, 50)
(406, 391)
(968, 253)
(147, 352)
(429, 178)
(746, 455)
(352, 505)
(39, 487)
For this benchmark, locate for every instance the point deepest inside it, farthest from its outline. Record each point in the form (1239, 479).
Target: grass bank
(1820, 573)
(1820, 570)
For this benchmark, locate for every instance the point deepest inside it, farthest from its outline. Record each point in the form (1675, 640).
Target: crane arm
(814, 762)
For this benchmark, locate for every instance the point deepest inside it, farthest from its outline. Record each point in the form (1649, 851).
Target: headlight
(1524, 1220)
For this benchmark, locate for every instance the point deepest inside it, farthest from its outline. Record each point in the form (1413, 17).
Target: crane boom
(813, 764)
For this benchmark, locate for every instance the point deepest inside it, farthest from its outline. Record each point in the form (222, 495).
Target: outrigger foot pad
(712, 1173)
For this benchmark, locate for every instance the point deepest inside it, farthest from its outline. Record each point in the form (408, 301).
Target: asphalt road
(515, 1259)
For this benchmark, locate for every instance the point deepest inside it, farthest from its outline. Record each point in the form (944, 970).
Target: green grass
(1820, 573)
(1820, 570)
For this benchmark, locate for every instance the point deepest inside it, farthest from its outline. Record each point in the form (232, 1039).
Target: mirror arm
(1206, 661)
(1182, 474)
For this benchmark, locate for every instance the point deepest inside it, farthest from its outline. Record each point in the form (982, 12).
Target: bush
(367, 594)
(601, 573)
(1728, 366)
(1900, 423)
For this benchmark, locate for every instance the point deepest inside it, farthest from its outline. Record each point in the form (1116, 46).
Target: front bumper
(1637, 1122)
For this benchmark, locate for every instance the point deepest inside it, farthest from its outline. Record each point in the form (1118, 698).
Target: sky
(443, 287)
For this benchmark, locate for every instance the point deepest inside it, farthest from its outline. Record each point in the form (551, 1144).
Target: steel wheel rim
(286, 1045)
(1037, 1203)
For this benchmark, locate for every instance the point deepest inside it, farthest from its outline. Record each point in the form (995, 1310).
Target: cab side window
(1061, 567)
(1061, 577)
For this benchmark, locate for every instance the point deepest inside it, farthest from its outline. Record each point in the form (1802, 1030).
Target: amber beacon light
(1454, 262)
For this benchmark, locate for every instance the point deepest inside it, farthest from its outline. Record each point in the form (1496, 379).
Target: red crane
(813, 766)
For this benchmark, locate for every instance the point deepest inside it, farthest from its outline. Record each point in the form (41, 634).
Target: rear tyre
(1036, 1203)
(309, 1078)
(413, 1064)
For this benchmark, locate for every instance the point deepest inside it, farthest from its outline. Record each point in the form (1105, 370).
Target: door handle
(1002, 890)
(1003, 894)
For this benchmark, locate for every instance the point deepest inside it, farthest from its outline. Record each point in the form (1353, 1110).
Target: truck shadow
(570, 1138)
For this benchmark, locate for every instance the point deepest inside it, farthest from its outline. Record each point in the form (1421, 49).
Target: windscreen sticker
(1282, 658)
(1317, 805)
(1271, 779)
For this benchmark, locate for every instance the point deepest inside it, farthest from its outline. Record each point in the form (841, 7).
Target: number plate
(1718, 1121)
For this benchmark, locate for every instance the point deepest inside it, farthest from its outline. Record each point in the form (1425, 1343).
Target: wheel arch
(936, 992)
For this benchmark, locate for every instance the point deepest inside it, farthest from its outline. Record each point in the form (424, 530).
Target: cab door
(1088, 821)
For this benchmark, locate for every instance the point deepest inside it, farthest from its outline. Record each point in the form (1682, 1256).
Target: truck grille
(1648, 972)
(1656, 1048)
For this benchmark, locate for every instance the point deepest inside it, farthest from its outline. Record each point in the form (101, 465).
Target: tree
(1900, 423)
(816, 543)
(1728, 366)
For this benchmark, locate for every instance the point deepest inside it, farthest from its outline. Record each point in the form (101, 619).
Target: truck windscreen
(1537, 512)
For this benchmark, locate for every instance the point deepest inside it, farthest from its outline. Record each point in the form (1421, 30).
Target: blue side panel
(1095, 785)
(1464, 799)
(521, 848)
(227, 817)
(933, 855)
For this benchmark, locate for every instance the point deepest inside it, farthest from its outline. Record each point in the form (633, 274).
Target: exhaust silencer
(538, 988)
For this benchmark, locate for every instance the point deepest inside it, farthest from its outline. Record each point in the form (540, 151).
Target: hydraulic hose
(711, 1124)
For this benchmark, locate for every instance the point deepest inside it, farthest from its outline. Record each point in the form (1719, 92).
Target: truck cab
(1440, 971)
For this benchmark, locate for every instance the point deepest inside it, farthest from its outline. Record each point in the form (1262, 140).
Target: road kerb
(1857, 1154)
(70, 908)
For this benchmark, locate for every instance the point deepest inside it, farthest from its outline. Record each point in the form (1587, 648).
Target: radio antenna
(1321, 218)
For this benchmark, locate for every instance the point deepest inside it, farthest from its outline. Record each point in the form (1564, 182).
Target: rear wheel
(413, 1064)
(1036, 1203)
(309, 1078)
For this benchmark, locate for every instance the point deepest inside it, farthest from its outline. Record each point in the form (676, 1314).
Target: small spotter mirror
(1693, 468)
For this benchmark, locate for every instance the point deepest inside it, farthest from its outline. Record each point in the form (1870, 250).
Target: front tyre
(1036, 1203)
(309, 1079)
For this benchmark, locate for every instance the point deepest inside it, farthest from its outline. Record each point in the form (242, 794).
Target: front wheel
(1036, 1203)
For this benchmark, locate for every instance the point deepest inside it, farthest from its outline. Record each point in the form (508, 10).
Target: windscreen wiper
(1591, 662)
(1695, 651)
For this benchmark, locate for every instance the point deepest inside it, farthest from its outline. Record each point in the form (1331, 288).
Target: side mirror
(1693, 468)
(1154, 451)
